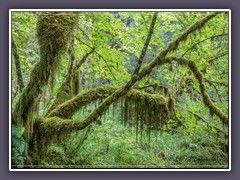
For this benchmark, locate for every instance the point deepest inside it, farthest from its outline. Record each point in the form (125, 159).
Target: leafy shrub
(19, 147)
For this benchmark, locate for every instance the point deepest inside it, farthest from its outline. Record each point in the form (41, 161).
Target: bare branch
(202, 41)
(150, 32)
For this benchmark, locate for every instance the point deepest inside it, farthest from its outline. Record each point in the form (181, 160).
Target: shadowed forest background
(119, 89)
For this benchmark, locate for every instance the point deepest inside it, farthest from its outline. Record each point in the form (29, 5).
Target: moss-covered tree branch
(199, 76)
(68, 108)
(140, 109)
(144, 49)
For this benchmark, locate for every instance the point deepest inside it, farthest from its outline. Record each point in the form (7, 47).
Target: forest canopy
(120, 89)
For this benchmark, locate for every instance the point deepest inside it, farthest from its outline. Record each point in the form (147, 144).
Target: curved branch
(56, 127)
(199, 76)
(201, 42)
(159, 60)
(68, 108)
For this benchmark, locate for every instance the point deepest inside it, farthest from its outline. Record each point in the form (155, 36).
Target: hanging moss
(146, 111)
(53, 32)
(70, 87)
(140, 110)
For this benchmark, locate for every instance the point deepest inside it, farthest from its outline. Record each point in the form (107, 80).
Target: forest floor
(112, 145)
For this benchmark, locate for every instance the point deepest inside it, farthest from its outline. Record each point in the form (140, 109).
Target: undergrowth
(110, 144)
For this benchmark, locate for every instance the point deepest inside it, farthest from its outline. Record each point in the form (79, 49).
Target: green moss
(68, 108)
(53, 32)
(146, 111)
(52, 130)
(54, 29)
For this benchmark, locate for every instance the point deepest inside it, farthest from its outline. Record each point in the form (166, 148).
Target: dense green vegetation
(120, 90)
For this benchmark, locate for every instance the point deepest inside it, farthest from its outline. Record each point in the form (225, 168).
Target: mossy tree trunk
(53, 32)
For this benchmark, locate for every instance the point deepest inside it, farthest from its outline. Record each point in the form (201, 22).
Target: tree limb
(18, 66)
(201, 42)
(218, 56)
(199, 76)
(150, 32)
(68, 108)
